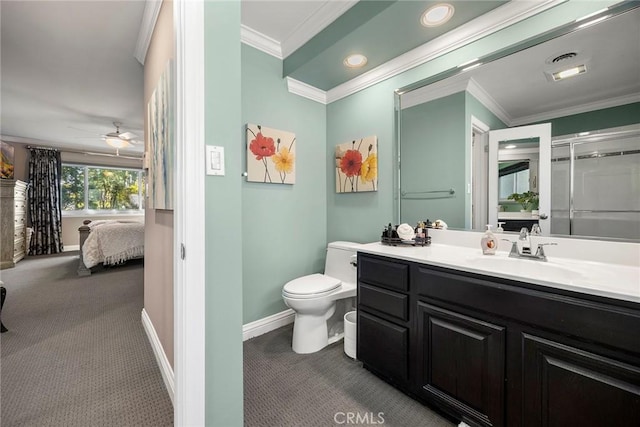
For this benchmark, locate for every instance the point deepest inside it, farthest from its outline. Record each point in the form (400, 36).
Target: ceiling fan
(119, 139)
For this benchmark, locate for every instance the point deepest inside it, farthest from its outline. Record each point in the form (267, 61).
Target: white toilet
(321, 300)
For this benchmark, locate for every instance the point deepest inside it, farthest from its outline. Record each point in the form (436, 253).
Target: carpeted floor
(282, 388)
(76, 353)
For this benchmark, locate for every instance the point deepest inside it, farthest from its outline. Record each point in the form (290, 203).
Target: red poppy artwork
(271, 155)
(357, 165)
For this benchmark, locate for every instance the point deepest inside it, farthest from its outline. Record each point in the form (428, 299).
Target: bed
(108, 243)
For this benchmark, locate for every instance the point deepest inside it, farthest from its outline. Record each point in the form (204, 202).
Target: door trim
(189, 274)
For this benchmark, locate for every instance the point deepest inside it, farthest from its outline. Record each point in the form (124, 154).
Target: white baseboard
(163, 363)
(267, 324)
(69, 248)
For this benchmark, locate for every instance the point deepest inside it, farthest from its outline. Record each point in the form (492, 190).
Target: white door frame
(479, 180)
(543, 133)
(189, 218)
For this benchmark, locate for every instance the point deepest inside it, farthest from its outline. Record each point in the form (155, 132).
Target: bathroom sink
(548, 270)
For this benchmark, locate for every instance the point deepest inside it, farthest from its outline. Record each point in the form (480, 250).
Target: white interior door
(541, 133)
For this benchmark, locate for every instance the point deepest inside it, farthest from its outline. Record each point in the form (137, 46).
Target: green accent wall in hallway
(223, 227)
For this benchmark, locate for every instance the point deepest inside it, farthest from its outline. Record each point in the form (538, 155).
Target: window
(513, 178)
(89, 189)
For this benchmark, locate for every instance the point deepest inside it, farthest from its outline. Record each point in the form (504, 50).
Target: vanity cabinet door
(563, 386)
(383, 347)
(461, 364)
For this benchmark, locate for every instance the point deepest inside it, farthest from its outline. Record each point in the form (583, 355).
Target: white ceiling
(68, 72)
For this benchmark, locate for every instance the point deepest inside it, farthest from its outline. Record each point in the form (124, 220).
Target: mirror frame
(562, 30)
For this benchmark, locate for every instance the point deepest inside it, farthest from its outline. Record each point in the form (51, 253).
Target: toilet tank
(338, 262)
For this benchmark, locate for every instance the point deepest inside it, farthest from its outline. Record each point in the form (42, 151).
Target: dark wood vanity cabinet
(460, 364)
(564, 385)
(493, 352)
(383, 318)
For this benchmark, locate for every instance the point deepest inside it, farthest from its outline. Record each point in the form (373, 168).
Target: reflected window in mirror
(513, 178)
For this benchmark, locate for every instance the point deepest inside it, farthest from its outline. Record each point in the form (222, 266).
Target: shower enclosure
(595, 183)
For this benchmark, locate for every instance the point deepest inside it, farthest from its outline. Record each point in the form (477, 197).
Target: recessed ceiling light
(569, 72)
(437, 15)
(510, 146)
(355, 61)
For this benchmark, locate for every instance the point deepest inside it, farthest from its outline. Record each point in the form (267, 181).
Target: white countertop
(589, 277)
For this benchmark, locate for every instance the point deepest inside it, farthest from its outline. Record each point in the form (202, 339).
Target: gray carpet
(76, 353)
(282, 388)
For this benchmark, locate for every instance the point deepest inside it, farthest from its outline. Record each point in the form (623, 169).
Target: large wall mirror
(583, 82)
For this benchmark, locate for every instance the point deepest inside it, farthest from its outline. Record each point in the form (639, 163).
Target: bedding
(113, 242)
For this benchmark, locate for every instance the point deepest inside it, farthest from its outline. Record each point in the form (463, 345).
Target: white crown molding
(161, 357)
(445, 88)
(499, 18)
(584, 108)
(318, 21)
(487, 100)
(149, 18)
(266, 44)
(433, 91)
(267, 324)
(307, 91)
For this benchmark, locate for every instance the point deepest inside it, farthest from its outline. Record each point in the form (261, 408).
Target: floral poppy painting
(271, 155)
(357, 165)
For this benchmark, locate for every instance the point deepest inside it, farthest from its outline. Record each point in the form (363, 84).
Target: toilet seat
(311, 286)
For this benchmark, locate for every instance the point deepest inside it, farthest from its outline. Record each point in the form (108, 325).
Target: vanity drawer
(384, 347)
(390, 275)
(388, 302)
(592, 321)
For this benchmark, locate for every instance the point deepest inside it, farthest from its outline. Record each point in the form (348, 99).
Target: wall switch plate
(215, 160)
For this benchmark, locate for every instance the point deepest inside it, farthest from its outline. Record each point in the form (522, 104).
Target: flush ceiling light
(569, 72)
(437, 15)
(355, 61)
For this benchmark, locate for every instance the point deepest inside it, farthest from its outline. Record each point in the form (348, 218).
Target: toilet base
(309, 334)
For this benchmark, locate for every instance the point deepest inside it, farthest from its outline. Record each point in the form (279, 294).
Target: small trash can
(350, 333)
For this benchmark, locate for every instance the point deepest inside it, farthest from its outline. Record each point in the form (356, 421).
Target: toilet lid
(311, 285)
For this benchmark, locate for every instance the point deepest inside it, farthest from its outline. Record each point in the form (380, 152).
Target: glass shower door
(606, 187)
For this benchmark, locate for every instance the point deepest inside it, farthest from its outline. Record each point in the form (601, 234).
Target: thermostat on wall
(215, 160)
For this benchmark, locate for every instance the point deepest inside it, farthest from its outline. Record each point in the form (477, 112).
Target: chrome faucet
(525, 252)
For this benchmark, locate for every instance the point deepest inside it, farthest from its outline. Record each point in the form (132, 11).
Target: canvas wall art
(271, 155)
(162, 144)
(6, 160)
(357, 165)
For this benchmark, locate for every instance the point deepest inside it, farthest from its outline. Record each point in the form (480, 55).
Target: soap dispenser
(500, 229)
(488, 243)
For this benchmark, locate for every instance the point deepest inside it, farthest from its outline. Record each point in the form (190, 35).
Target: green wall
(284, 226)
(359, 217)
(622, 115)
(223, 225)
(433, 158)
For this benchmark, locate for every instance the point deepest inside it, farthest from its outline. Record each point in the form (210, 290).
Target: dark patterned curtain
(44, 201)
